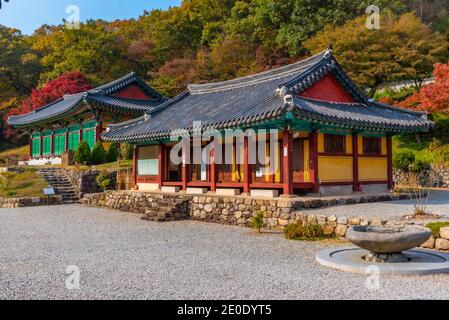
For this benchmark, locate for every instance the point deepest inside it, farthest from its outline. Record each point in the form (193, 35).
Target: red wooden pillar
(31, 145)
(287, 146)
(246, 167)
(52, 151)
(135, 154)
(161, 165)
(314, 162)
(355, 163)
(81, 132)
(98, 131)
(42, 145)
(390, 163)
(185, 166)
(213, 168)
(67, 141)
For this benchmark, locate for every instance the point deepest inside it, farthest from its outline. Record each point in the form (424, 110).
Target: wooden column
(42, 145)
(185, 167)
(52, 150)
(98, 131)
(135, 154)
(390, 162)
(287, 167)
(355, 163)
(246, 167)
(213, 168)
(314, 161)
(31, 145)
(161, 157)
(67, 140)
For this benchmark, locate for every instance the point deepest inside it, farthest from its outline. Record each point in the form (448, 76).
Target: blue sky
(28, 15)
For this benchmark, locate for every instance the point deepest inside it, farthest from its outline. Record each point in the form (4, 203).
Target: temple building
(331, 138)
(60, 126)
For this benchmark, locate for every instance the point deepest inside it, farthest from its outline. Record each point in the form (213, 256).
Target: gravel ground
(123, 257)
(438, 204)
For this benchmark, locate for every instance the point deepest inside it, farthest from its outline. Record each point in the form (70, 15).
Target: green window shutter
(47, 146)
(89, 137)
(36, 147)
(59, 144)
(74, 140)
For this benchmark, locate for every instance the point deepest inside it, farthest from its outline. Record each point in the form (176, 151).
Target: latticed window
(334, 144)
(148, 161)
(372, 146)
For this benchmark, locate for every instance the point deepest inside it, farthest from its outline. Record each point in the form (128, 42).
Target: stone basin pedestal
(386, 251)
(386, 245)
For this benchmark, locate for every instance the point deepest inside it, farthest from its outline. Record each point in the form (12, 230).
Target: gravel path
(438, 204)
(123, 257)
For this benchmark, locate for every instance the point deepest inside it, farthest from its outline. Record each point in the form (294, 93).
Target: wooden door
(298, 160)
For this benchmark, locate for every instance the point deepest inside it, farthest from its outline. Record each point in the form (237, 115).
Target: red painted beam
(213, 169)
(246, 167)
(52, 150)
(42, 145)
(98, 131)
(185, 168)
(31, 145)
(390, 163)
(161, 165)
(135, 154)
(314, 162)
(355, 163)
(287, 162)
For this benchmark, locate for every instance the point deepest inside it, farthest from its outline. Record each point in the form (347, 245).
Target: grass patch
(111, 166)
(25, 184)
(13, 155)
(436, 226)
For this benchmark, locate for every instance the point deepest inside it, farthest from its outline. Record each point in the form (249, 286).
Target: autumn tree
(433, 97)
(67, 83)
(403, 48)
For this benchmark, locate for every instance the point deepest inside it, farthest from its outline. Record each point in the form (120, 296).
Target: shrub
(296, 231)
(403, 160)
(257, 221)
(112, 154)
(103, 180)
(82, 154)
(436, 226)
(126, 150)
(98, 153)
(419, 166)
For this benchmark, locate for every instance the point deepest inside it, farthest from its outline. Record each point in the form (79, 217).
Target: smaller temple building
(59, 127)
(304, 127)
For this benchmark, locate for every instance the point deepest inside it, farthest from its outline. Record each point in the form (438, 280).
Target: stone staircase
(61, 183)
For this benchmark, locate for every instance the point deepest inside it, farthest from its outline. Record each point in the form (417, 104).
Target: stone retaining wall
(435, 176)
(84, 182)
(29, 202)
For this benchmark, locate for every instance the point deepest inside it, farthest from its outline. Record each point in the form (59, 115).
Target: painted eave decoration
(272, 98)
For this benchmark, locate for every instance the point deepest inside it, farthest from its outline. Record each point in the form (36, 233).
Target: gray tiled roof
(74, 104)
(255, 99)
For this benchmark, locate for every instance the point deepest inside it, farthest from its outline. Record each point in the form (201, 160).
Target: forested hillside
(210, 40)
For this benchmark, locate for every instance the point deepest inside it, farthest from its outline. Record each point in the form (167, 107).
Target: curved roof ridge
(330, 102)
(258, 77)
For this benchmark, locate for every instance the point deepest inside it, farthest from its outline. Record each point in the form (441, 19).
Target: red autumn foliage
(433, 97)
(67, 83)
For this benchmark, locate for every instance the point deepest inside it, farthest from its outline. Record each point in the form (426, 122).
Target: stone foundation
(29, 202)
(232, 210)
